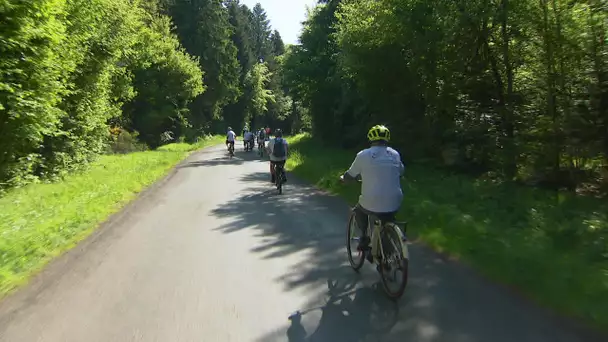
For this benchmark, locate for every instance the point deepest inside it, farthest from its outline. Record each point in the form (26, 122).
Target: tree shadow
(213, 162)
(444, 301)
(240, 157)
(551, 244)
(363, 311)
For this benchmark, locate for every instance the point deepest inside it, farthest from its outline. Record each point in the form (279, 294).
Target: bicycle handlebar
(359, 179)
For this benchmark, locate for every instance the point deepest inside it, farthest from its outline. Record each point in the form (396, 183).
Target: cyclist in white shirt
(248, 138)
(230, 137)
(380, 168)
(261, 137)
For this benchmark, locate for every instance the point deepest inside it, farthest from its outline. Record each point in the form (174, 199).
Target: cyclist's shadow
(369, 312)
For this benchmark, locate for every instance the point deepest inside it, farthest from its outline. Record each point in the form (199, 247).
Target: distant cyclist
(277, 150)
(261, 137)
(248, 139)
(380, 168)
(230, 138)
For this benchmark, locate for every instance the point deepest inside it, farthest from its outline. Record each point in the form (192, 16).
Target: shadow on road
(239, 158)
(350, 314)
(443, 301)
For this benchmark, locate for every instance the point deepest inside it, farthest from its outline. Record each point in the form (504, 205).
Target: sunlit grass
(40, 221)
(552, 246)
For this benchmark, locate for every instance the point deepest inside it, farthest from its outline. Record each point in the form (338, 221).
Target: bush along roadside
(552, 246)
(40, 221)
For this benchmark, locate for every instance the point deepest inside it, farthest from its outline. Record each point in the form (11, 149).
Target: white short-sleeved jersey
(380, 168)
(230, 136)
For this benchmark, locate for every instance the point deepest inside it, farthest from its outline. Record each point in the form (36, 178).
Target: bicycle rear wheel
(395, 261)
(353, 236)
(278, 178)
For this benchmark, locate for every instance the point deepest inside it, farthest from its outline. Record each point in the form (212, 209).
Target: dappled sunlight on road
(444, 301)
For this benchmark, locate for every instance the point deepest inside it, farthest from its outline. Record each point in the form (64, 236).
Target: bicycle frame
(374, 224)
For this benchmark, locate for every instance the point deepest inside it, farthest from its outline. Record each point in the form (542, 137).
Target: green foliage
(256, 43)
(550, 245)
(40, 221)
(30, 36)
(122, 141)
(513, 89)
(165, 83)
(256, 80)
(204, 30)
(71, 68)
(260, 28)
(504, 90)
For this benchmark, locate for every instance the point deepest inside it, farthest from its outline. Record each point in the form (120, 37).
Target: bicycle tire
(278, 178)
(389, 233)
(355, 264)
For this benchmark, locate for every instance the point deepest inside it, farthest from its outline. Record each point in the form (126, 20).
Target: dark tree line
(517, 90)
(241, 57)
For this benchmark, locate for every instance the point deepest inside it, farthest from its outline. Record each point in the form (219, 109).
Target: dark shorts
(280, 163)
(362, 217)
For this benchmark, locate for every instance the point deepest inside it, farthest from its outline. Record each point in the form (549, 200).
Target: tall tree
(205, 32)
(276, 42)
(257, 81)
(261, 33)
(514, 88)
(240, 20)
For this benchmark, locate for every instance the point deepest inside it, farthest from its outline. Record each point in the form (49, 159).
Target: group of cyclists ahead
(276, 147)
(380, 169)
(379, 166)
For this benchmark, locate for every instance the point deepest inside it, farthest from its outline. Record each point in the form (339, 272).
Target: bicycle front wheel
(353, 242)
(395, 261)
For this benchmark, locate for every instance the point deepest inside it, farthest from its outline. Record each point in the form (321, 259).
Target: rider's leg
(361, 218)
(362, 221)
(271, 171)
(282, 163)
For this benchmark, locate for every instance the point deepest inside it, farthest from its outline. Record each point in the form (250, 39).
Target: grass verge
(40, 221)
(553, 247)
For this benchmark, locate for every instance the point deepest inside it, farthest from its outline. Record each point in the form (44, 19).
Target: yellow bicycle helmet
(379, 132)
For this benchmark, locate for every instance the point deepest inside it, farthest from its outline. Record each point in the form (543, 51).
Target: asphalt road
(213, 253)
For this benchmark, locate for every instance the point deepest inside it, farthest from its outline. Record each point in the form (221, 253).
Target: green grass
(40, 221)
(553, 247)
